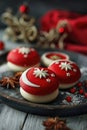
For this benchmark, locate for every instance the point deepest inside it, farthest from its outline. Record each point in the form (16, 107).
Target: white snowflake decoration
(48, 80)
(24, 50)
(40, 73)
(67, 74)
(74, 70)
(66, 66)
(52, 75)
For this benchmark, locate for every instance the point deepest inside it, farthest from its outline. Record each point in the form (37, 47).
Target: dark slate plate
(58, 107)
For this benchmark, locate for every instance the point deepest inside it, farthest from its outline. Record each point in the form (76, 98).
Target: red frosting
(47, 84)
(24, 59)
(59, 55)
(68, 72)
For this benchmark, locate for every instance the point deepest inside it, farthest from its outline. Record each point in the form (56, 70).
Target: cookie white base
(39, 99)
(16, 68)
(66, 86)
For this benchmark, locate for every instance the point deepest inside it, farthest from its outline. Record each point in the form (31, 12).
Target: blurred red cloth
(77, 37)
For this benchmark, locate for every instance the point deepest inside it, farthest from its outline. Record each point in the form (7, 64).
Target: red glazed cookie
(48, 57)
(39, 85)
(67, 71)
(22, 58)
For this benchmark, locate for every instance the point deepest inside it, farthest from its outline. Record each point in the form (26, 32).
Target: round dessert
(48, 57)
(39, 85)
(19, 59)
(67, 71)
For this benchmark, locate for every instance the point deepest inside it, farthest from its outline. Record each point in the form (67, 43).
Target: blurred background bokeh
(39, 7)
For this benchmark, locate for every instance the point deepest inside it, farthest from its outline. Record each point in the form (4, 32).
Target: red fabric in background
(77, 37)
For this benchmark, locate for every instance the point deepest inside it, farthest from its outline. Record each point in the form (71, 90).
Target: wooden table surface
(12, 119)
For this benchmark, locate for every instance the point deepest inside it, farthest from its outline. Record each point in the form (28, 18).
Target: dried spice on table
(17, 75)
(11, 82)
(55, 124)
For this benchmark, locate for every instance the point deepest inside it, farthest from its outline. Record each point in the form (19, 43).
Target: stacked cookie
(39, 84)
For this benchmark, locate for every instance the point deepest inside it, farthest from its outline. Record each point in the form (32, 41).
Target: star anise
(17, 75)
(55, 124)
(9, 82)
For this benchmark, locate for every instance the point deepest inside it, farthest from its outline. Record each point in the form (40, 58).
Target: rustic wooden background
(11, 119)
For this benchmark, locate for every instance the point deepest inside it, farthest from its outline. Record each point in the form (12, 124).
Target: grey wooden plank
(77, 122)
(34, 122)
(11, 119)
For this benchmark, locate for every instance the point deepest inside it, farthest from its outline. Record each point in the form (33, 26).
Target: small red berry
(61, 30)
(73, 90)
(23, 9)
(85, 94)
(68, 99)
(81, 91)
(79, 84)
(1, 45)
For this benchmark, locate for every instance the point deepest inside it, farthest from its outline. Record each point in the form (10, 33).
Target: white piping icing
(26, 81)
